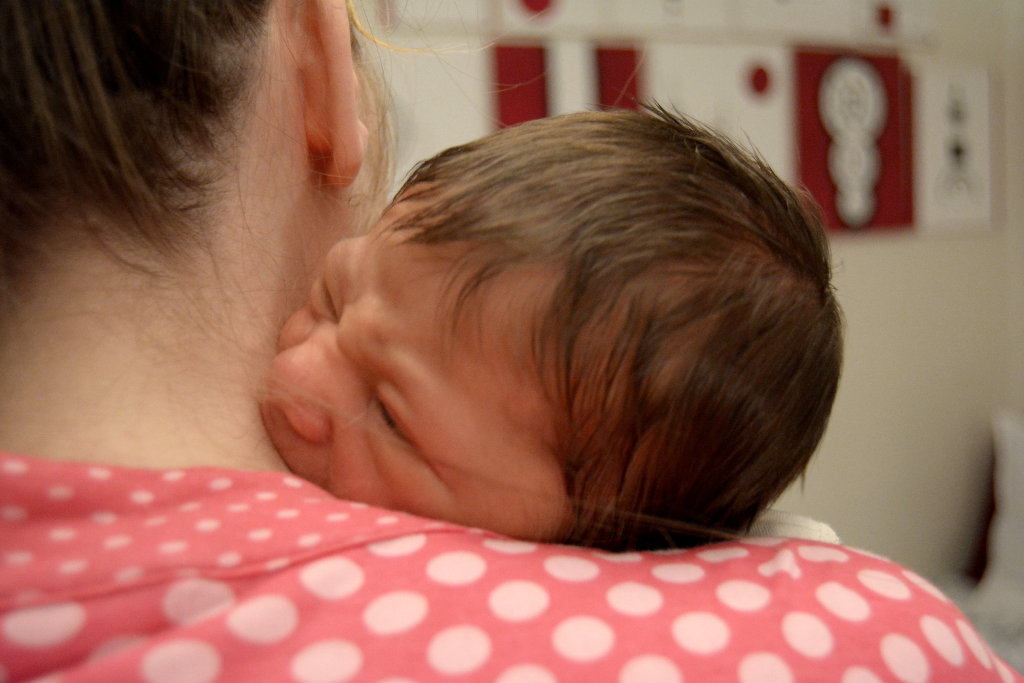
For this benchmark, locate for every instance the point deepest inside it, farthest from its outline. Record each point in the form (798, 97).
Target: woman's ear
(335, 137)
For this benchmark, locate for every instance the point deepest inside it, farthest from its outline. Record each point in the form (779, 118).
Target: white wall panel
(713, 83)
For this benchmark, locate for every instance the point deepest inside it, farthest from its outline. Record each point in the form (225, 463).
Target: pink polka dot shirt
(111, 574)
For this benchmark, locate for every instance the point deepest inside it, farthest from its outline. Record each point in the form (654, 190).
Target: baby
(614, 329)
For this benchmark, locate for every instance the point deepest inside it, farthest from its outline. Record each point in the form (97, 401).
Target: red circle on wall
(537, 6)
(884, 16)
(760, 80)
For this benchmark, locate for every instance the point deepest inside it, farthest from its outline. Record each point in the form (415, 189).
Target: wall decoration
(854, 124)
(954, 183)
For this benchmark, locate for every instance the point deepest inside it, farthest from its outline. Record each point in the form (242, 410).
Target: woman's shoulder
(236, 574)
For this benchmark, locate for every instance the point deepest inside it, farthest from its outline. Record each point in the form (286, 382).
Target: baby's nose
(297, 329)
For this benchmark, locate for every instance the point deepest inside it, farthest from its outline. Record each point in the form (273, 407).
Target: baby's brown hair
(692, 342)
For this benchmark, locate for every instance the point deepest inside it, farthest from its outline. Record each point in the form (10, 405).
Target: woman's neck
(106, 363)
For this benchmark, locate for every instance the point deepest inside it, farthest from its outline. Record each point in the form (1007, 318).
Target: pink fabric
(112, 574)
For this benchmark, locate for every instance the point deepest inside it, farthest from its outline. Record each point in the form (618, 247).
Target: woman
(172, 173)
(167, 195)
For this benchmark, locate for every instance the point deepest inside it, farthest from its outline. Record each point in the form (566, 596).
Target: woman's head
(692, 343)
(133, 112)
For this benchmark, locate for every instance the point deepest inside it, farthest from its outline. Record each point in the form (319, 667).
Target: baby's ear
(335, 137)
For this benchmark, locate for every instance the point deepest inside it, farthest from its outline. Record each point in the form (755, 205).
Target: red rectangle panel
(618, 76)
(520, 83)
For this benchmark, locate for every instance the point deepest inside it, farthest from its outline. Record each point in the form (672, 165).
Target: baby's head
(639, 314)
(691, 343)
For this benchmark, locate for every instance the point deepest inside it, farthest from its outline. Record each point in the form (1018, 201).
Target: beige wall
(935, 343)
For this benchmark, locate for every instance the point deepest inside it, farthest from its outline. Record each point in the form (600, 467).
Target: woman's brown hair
(117, 106)
(123, 109)
(692, 343)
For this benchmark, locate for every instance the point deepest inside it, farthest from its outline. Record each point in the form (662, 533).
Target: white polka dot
(332, 578)
(620, 558)
(276, 565)
(173, 547)
(509, 547)
(784, 562)
(1004, 672)
(456, 568)
(220, 484)
(858, 674)
(743, 596)
(292, 482)
(309, 540)
(761, 667)
(239, 507)
(117, 541)
(266, 495)
(288, 513)
(13, 513)
(116, 645)
(974, 643)
(15, 467)
(387, 520)
(60, 492)
(395, 612)
(924, 585)
(191, 600)
(583, 639)
(337, 517)
(942, 638)
(207, 525)
(715, 555)
(398, 547)
(260, 535)
(459, 650)
(264, 619)
(142, 497)
(128, 574)
(518, 600)
(526, 673)
(328, 661)
(18, 557)
(678, 572)
(190, 506)
(884, 584)
(62, 534)
(158, 520)
(634, 599)
(822, 553)
(229, 559)
(173, 475)
(104, 517)
(702, 633)
(904, 658)
(570, 568)
(650, 668)
(181, 660)
(44, 626)
(99, 473)
(76, 566)
(843, 602)
(807, 634)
